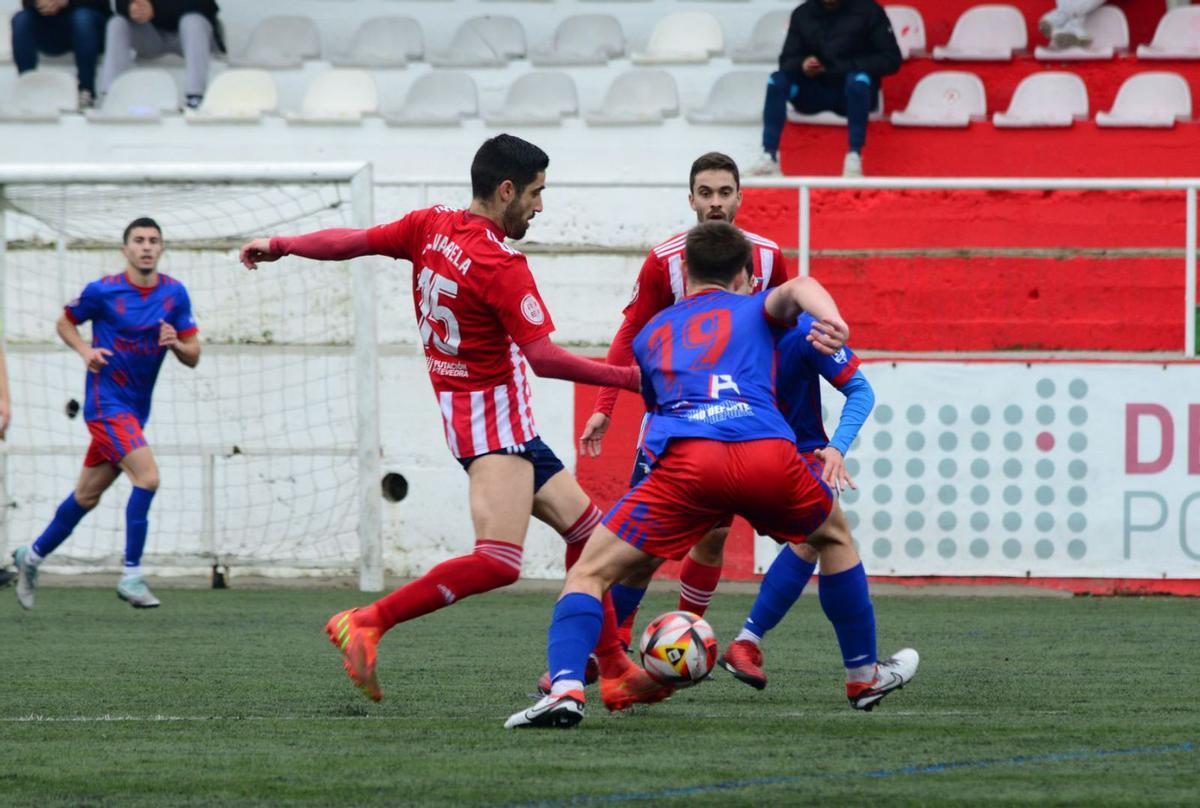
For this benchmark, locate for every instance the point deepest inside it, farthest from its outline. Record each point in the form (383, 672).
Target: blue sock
(65, 519)
(781, 586)
(847, 603)
(573, 634)
(626, 600)
(136, 525)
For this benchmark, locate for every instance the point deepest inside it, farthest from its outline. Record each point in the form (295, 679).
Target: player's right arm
(651, 294)
(340, 243)
(80, 310)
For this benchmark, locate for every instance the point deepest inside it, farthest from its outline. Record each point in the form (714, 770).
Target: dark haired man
(834, 57)
(714, 194)
(137, 316)
(481, 320)
(717, 442)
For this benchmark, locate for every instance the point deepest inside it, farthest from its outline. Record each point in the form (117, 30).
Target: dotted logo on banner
(980, 476)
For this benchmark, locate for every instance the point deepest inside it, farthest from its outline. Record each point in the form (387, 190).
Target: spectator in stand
(151, 28)
(834, 58)
(55, 27)
(1063, 26)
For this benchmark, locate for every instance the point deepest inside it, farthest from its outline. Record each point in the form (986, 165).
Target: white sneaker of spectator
(1071, 34)
(767, 166)
(852, 165)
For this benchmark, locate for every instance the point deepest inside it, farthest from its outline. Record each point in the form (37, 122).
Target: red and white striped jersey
(476, 303)
(662, 281)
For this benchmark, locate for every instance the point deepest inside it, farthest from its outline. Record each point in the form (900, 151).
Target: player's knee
(710, 550)
(806, 552)
(147, 480)
(87, 499)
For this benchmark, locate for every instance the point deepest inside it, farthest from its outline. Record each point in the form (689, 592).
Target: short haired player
(716, 440)
(137, 317)
(715, 195)
(483, 326)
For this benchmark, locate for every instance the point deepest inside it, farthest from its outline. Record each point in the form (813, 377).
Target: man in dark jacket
(55, 27)
(834, 58)
(151, 28)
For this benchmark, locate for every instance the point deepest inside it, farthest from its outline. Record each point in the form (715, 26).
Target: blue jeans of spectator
(854, 100)
(80, 30)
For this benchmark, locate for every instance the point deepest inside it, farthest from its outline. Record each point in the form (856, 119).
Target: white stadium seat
(1050, 99)
(237, 96)
(382, 42)
(39, 96)
(987, 33)
(141, 95)
(637, 97)
(489, 41)
(583, 39)
(909, 28)
(948, 98)
(735, 97)
(539, 98)
(683, 38)
(1177, 36)
(1109, 30)
(437, 98)
(338, 96)
(1150, 100)
(766, 40)
(280, 42)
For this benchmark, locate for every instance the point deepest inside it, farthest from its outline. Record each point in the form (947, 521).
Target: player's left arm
(178, 331)
(784, 303)
(860, 400)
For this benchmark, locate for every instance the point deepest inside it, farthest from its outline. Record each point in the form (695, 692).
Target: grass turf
(235, 696)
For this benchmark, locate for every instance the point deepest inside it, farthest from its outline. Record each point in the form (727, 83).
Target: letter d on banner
(1166, 451)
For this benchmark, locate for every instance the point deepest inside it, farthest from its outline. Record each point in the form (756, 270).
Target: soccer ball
(679, 648)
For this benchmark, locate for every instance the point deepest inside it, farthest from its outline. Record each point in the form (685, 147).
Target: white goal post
(270, 448)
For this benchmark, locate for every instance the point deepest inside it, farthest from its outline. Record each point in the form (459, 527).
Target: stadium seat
(489, 41)
(735, 97)
(1110, 33)
(280, 42)
(39, 96)
(1151, 100)
(1177, 36)
(382, 42)
(947, 98)
(338, 96)
(987, 33)
(539, 98)
(766, 40)
(141, 95)
(1050, 99)
(909, 27)
(237, 96)
(683, 38)
(584, 39)
(637, 97)
(832, 118)
(437, 98)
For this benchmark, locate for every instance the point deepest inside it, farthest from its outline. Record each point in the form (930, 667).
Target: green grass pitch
(236, 697)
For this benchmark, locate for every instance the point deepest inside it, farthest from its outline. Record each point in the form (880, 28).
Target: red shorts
(698, 484)
(113, 438)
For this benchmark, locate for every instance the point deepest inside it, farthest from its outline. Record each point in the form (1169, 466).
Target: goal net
(268, 450)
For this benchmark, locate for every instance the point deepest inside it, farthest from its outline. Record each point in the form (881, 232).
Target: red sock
(609, 651)
(492, 565)
(576, 535)
(625, 630)
(697, 582)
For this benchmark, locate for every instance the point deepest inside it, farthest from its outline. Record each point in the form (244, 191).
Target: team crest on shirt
(532, 310)
(120, 306)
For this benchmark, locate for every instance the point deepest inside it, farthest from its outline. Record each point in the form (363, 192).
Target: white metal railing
(803, 185)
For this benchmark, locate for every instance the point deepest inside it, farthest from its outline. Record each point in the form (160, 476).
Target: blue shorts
(545, 462)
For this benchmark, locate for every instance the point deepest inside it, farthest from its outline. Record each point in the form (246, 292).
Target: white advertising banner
(1042, 469)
